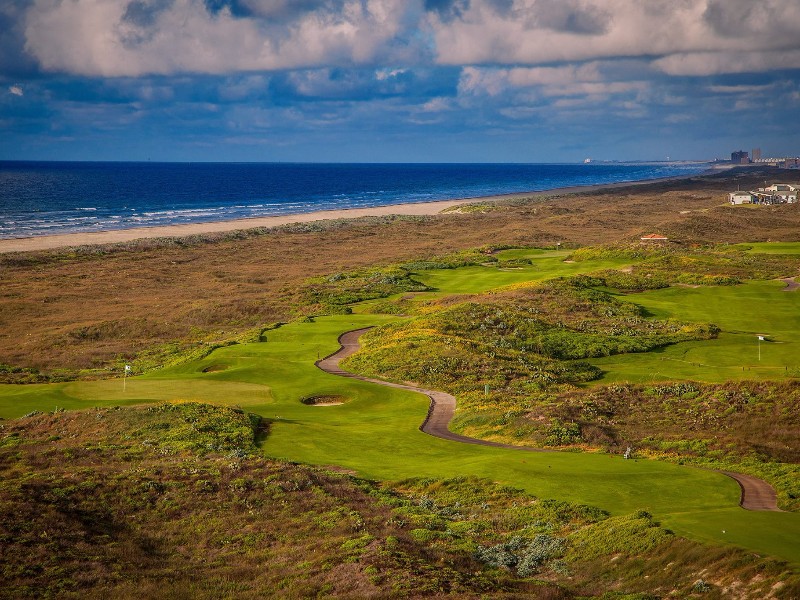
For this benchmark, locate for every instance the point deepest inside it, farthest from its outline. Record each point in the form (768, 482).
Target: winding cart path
(756, 493)
(791, 284)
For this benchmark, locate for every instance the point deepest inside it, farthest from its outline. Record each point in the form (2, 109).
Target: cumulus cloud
(239, 68)
(532, 32)
(135, 37)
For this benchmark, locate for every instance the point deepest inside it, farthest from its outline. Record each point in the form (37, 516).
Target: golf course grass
(743, 312)
(546, 264)
(374, 432)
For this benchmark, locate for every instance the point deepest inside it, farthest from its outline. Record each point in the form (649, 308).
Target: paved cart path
(791, 284)
(756, 493)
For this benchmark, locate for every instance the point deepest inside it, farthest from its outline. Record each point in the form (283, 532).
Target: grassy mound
(521, 343)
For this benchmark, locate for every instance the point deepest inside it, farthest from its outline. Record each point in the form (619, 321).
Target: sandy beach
(113, 236)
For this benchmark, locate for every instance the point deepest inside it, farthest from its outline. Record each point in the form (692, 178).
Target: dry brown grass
(66, 309)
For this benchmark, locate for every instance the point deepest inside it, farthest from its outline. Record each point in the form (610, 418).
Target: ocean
(45, 198)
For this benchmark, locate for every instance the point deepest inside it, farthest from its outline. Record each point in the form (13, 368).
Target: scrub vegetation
(175, 500)
(516, 359)
(588, 349)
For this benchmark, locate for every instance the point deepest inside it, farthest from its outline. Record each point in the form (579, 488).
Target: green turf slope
(743, 312)
(375, 433)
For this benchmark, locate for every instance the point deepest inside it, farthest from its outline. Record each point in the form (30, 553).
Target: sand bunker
(324, 400)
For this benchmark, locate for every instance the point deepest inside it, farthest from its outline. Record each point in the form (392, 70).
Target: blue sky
(398, 80)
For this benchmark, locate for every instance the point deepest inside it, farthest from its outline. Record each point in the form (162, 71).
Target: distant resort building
(783, 162)
(740, 157)
(654, 237)
(777, 193)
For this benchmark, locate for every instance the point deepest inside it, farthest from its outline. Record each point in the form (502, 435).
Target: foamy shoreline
(113, 236)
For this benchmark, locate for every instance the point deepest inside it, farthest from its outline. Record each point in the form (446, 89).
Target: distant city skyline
(398, 80)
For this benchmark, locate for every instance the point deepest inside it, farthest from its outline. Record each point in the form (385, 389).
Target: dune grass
(375, 432)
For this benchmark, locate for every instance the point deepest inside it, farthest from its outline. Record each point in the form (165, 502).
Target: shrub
(526, 556)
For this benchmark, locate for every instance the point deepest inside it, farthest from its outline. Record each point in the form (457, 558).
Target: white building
(782, 193)
(742, 198)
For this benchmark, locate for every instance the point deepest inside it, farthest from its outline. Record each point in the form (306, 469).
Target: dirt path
(756, 494)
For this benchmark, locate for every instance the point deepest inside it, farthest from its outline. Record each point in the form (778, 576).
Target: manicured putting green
(743, 312)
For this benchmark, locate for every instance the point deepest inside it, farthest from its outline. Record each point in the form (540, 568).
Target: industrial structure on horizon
(741, 157)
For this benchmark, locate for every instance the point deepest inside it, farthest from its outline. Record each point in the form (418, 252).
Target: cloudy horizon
(394, 80)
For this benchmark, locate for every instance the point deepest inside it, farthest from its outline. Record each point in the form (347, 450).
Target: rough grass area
(178, 291)
(522, 343)
(173, 501)
(714, 265)
(751, 427)
(599, 556)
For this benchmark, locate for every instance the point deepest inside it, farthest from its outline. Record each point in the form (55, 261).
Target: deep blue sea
(41, 198)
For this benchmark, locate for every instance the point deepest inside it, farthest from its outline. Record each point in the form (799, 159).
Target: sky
(398, 80)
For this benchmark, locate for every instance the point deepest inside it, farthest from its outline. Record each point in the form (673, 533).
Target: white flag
(761, 338)
(127, 368)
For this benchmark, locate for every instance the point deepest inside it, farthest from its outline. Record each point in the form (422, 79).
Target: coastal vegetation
(79, 312)
(684, 352)
(185, 504)
(272, 377)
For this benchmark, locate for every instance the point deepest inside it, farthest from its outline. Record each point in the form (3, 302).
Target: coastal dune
(113, 236)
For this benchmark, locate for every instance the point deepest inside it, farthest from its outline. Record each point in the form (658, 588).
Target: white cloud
(537, 32)
(584, 80)
(687, 37)
(437, 104)
(385, 74)
(16, 90)
(711, 63)
(135, 37)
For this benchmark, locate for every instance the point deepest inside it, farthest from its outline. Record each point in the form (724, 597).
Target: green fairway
(743, 312)
(546, 265)
(769, 247)
(375, 433)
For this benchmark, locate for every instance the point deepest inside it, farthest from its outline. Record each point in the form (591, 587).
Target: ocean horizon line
(46, 198)
(377, 163)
